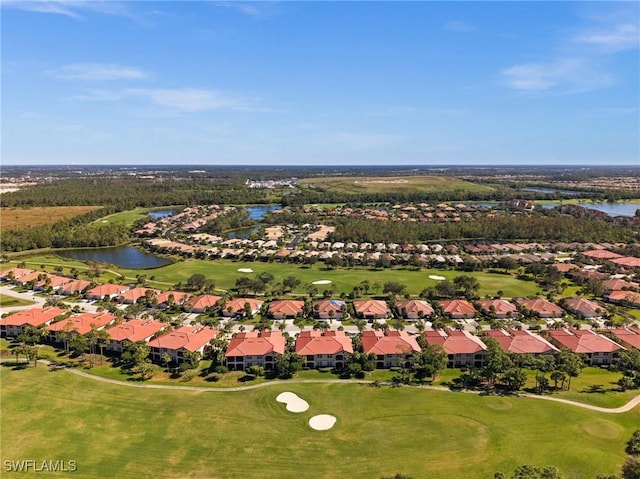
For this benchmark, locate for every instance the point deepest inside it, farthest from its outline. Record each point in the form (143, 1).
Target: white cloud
(70, 8)
(187, 100)
(98, 72)
(569, 75)
(612, 39)
(459, 26)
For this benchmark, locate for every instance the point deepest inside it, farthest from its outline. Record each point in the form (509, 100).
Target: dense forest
(528, 228)
(79, 231)
(128, 193)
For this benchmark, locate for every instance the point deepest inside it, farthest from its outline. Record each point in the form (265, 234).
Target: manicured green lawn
(10, 301)
(120, 432)
(224, 273)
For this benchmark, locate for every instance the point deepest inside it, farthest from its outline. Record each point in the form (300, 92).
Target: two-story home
(80, 324)
(176, 343)
(324, 349)
(463, 349)
(391, 347)
(133, 331)
(599, 349)
(521, 341)
(254, 348)
(14, 324)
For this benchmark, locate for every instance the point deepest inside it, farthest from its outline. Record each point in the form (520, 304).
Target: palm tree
(166, 359)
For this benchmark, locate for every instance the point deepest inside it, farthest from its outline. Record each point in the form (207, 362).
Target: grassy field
(119, 432)
(129, 217)
(11, 301)
(392, 184)
(224, 274)
(24, 218)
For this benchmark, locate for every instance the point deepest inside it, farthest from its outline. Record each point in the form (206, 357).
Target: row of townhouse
(320, 349)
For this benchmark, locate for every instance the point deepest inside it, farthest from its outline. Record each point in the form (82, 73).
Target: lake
(159, 214)
(257, 212)
(123, 256)
(612, 209)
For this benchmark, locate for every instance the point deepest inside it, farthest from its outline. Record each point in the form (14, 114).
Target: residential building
(254, 348)
(14, 324)
(583, 307)
(238, 307)
(391, 347)
(541, 307)
(109, 290)
(413, 309)
(599, 349)
(201, 303)
(324, 349)
(521, 341)
(463, 349)
(458, 308)
(77, 286)
(81, 324)
(193, 339)
(628, 337)
(501, 308)
(286, 308)
(328, 309)
(371, 309)
(133, 331)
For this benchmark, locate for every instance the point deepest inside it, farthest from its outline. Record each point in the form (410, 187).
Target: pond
(612, 209)
(123, 256)
(257, 212)
(159, 214)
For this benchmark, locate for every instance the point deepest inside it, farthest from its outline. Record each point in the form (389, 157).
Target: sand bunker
(245, 270)
(322, 281)
(436, 277)
(322, 422)
(294, 402)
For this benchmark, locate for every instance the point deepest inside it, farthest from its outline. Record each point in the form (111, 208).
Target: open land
(392, 184)
(114, 431)
(24, 218)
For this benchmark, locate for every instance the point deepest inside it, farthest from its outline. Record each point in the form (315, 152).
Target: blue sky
(359, 83)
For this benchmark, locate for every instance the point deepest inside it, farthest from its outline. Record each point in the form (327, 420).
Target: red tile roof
(255, 344)
(584, 307)
(32, 317)
(565, 267)
(458, 307)
(53, 280)
(191, 338)
(84, 323)
(415, 306)
(521, 342)
(107, 290)
(288, 307)
(624, 296)
(136, 330)
(75, 286)
(33, 276)
(237, 304)
(202, 302)
(628, 261)
(17, 272)
(500, 306)
(630, 336)
(134, 294)
(455, 342)
(540, 306)
(388, 341)
(331, 342)
(372, 306)
(583, 341)
(179, 297)
(614, 284)
(326, 305)
(601, 254)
